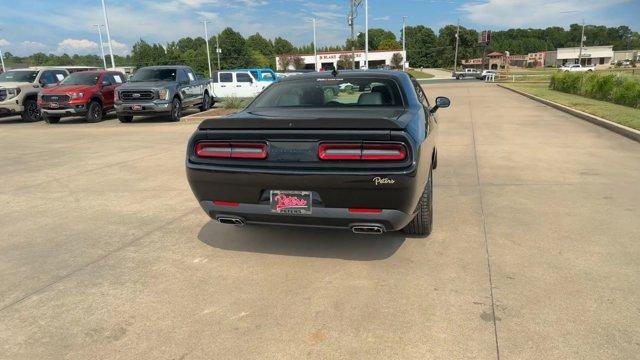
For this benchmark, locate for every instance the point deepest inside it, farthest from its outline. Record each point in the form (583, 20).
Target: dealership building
(329, 60)
(601, 56)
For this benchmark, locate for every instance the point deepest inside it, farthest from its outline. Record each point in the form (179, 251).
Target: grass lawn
(623, 115)
(419, 74)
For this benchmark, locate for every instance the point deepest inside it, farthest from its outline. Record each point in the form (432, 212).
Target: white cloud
(33, 45)
(526, 13)
(77, 46)
(4, 42)
(118, 48)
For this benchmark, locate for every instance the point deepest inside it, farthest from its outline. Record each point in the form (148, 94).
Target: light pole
(206, 39)
(106, 23)
(104, 61)
(218, 50)
(315, 47)
(352, 18)
(455, 59)
(581, 44)
(366, 34)
(2, 59)
(404, 42)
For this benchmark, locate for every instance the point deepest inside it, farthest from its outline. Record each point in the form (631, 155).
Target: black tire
(31, 111)
(125, 118)
(176, 110)
(51, 119)
(422, 222)
(206, 102)
(459, 77)
(94, 112)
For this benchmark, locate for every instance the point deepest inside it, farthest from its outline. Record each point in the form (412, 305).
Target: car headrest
(371, 98)
(313, 96)
(384, 91)
(289, 100)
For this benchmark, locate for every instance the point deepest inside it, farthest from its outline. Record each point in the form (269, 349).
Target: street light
(218, 50)
(315, 46)
(455, 59)
(106, 22)
(404, 37)
(366, 34)
(351, 21)
(104, 61)
(2, 59)
(206, 39)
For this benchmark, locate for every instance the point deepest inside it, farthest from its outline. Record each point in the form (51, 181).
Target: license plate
(291, 202)
(136, 107)
(54, 105)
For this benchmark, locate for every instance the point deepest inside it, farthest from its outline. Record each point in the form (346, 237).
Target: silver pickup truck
(162, 90)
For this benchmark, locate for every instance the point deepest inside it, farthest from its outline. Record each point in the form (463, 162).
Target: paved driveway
(104, 252)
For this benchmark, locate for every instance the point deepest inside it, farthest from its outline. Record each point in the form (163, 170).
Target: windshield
(80, 79)
(19, 76)
(154, 75)
(329, 92)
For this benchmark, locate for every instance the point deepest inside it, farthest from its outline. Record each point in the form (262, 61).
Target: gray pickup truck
(162, 90)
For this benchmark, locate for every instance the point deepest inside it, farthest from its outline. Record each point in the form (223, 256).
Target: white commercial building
(329, 60)
(600, 56)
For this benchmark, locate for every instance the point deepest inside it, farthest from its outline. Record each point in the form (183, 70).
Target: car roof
(39, 68)
(165, 67)
(384, 74)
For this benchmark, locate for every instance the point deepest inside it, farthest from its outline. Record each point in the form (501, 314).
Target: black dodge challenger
(351, 149)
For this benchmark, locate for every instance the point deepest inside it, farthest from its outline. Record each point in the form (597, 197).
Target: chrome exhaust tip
(367, 229)
(231, 220)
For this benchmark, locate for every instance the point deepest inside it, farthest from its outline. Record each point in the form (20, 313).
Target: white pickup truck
(236, 83)
(577, 68)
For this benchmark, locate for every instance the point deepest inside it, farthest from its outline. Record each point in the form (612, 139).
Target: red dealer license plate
(291, 202)
(136, 107)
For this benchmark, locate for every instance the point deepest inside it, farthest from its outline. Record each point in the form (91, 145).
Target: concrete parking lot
(535, 254)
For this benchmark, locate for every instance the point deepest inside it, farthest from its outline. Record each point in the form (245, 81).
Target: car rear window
(331, 92)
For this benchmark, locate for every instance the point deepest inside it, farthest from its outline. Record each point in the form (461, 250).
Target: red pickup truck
(86, 93)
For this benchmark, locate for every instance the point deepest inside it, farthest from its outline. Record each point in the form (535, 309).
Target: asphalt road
(105, 254)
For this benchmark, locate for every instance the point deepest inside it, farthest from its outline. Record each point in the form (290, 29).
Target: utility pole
(206, 39)
(366, 34)
(315, 47)
(455, 59)
(353, 49)
(2, 60)
(104, 61)
(581, 44)
(218, 50)
(106, 23)
(404, 42)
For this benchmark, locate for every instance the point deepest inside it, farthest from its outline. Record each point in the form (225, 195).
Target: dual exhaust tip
(357, 229)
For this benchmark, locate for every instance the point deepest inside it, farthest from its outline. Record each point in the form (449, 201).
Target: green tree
(282, 46)
(234, 49)
(421, 46)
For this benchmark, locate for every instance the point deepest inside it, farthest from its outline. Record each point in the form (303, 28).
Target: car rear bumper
(341, 218)
(154, 107)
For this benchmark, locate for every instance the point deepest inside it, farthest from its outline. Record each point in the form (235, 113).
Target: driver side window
(182, 76)
(48, 78)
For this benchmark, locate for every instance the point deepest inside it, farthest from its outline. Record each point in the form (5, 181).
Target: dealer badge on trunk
(381, 181)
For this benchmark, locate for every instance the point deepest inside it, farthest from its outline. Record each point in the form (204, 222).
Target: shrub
(618, 89)
(233, 103)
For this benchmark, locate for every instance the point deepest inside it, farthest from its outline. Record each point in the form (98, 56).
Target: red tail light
(226, 203)
(366, 152)
(232, 150)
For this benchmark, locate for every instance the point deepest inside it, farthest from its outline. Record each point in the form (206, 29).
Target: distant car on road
(162, 90)
(87, 93)
(21, 88)
(466, 74)
(298, 155)
(577, 68)
(486, 73)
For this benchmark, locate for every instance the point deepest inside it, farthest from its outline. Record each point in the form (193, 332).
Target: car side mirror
(441, 102)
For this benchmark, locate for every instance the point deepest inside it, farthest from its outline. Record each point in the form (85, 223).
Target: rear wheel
(125, 118)
(51, 119)
(94, 112)
(31, 111)
(206, 102)
(176, 109)
(421, 223)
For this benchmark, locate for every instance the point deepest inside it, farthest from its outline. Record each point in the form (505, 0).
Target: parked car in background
(162, 90)
(577, 68)
(466, 74)
(87, 93)
(236, 83)
(486, 73)
(21, 89)
(262, 75)
(298, 155)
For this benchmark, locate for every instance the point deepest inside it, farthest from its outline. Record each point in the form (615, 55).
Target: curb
(609, 125)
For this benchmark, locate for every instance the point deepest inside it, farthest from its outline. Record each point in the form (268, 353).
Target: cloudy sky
(63, 26)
